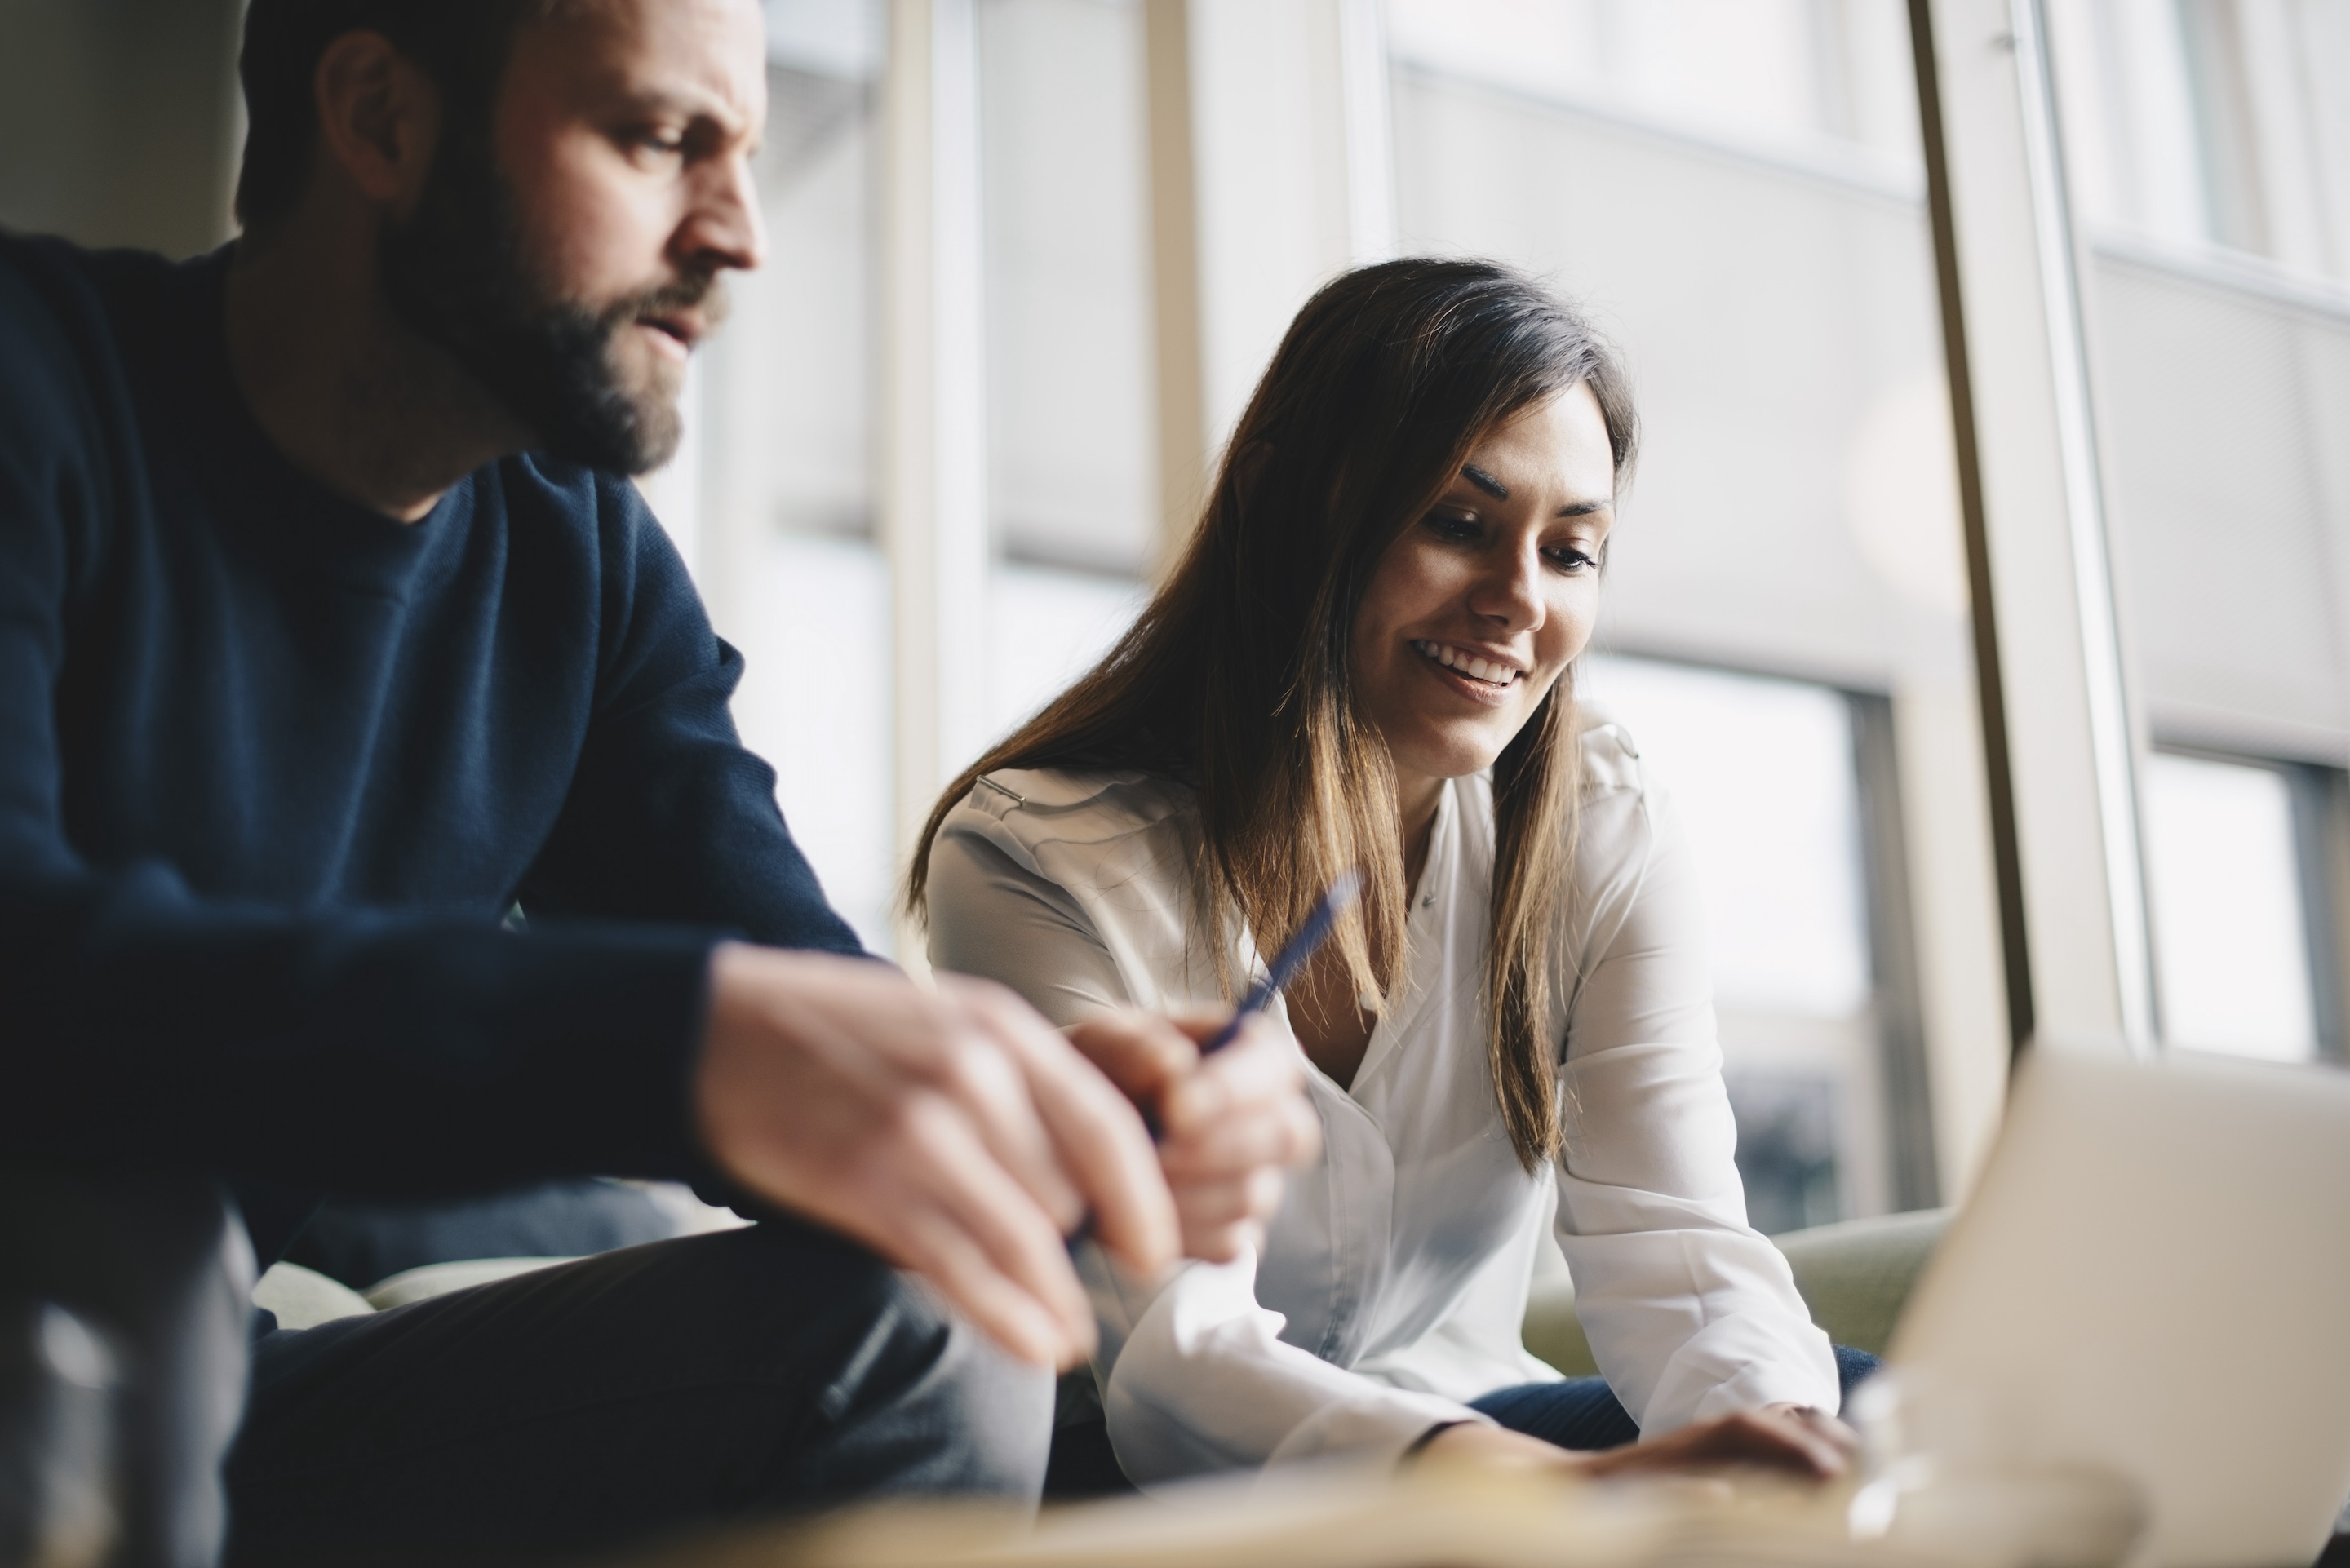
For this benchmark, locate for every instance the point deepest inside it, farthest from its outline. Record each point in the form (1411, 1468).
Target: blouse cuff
(1760, 1385)
(1382, 1428)
(1730, 1367)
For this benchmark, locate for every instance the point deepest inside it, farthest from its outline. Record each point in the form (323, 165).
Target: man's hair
(461, 45)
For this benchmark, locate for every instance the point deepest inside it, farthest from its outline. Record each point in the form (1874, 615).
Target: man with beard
(371, 821)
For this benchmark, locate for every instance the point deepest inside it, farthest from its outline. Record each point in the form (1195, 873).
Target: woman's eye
(1567, 558)
(659, 145)
(1446, 525)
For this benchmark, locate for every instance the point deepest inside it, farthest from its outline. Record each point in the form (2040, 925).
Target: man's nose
(725, 227)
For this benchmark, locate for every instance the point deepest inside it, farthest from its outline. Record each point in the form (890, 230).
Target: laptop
(2154, 1276)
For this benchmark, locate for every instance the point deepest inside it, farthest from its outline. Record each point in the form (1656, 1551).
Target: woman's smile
(1479, 605)
(1496, 672)
(1486, 682)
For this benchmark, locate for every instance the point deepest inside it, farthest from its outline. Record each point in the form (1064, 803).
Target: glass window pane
(1067, 278)
(791, 380)
(1778, 844)
(815, 701)
(1072, 498)
(1778, 841)
(784, 548)
(2230, 944)
(2207, 151)
(1048, 626)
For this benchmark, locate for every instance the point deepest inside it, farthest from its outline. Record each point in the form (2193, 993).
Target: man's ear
(379, 119)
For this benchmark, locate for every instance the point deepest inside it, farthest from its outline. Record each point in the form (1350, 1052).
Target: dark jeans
(767, 1371)
(1583, 1412)
(772, 1370)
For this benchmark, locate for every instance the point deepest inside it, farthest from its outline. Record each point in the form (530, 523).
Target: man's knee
(1000, 1408)
(918, 1401)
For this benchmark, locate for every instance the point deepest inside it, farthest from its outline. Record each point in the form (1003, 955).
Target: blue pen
(1336, 900)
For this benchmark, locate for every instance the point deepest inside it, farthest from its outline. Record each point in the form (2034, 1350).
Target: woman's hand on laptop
(1800, 1438)
(1229, 1123)
(1824, 1424)
(1806, 1441)
(954, 1132)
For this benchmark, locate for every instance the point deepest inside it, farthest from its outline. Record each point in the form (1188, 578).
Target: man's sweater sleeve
(371, 1051)
(670, 817)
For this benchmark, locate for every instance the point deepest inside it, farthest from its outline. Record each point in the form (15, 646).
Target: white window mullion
(2045, 584)
(934, 479)
(1274, 169)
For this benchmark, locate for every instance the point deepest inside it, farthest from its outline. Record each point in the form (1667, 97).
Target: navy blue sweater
(273, 769)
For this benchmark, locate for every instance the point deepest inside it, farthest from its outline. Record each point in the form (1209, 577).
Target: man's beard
(456, 273)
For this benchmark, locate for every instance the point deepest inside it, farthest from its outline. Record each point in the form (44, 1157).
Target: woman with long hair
(1365, 663)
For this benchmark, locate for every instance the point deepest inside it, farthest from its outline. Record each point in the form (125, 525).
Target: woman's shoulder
(1624, 817)
(1630, 851)
(1611, 757)
(1621, 818)
(1034, 807)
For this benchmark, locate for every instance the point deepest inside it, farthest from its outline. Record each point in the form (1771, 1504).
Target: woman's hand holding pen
(953, 1131)
(1229, 1123)
(1223, 1095)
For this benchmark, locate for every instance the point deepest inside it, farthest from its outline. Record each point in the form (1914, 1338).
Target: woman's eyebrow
(1584, 508)
(1484, 481)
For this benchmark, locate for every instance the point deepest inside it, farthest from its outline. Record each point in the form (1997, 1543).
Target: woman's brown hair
(1238, 678)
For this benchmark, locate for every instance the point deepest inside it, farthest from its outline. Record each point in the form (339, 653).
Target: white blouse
(1393, 1282)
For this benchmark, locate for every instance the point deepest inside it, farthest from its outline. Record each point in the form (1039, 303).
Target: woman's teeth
(1461, 663)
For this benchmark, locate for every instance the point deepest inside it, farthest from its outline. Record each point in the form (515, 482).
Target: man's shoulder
(35, 269)
(573, 529)
(52, 288)
(606, 505)
(601, 513)
(52, 311)
(72, 322)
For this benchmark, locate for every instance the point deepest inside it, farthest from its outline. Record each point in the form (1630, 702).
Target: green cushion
(1855, 1276)
(1554, 1333)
